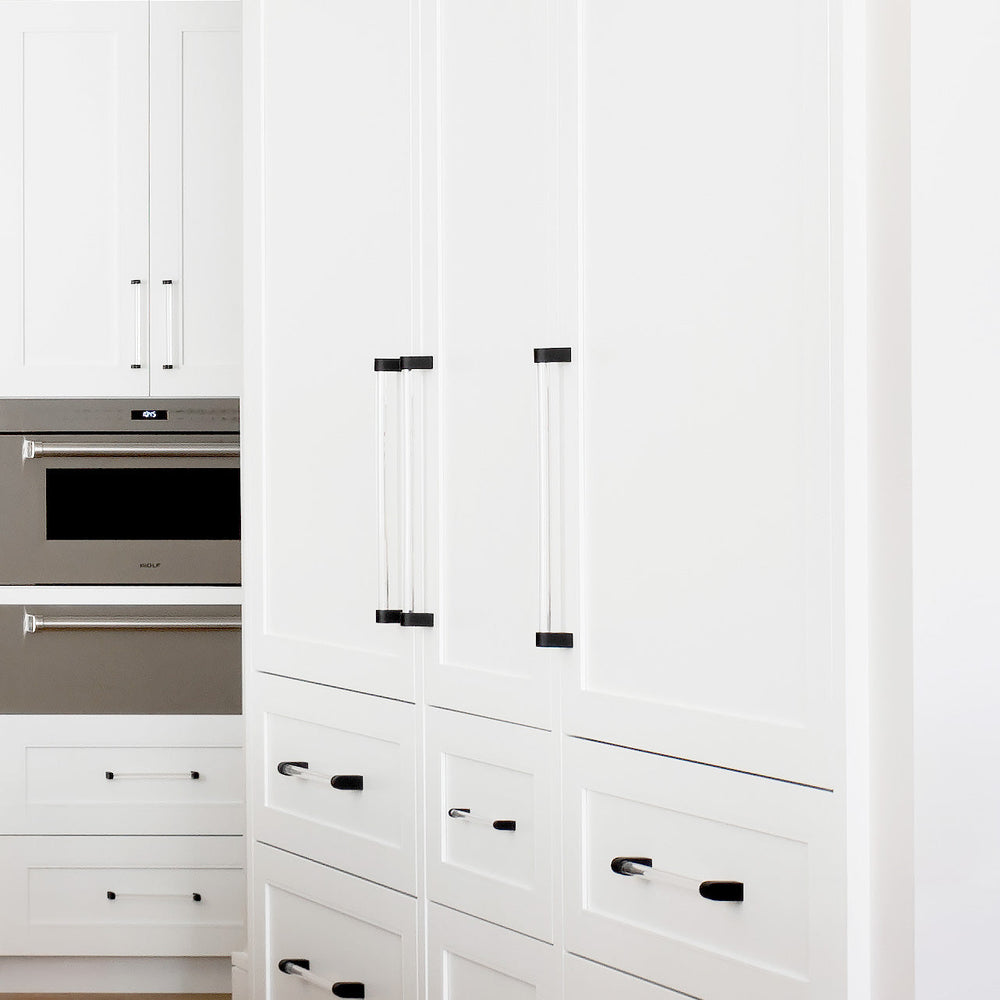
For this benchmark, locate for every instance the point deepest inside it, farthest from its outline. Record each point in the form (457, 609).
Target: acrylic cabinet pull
(300, 967)
(388, 607)
(38, 623)
(194, 896)
(154, 449)
(497, 824)
(168, 324)
(342, 782)
(154, 775)
(720, 891)
(137, 321)
(548, 364)
(414, 468)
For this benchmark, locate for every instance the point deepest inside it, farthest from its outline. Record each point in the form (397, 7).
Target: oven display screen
(145, 504)
(149, 414)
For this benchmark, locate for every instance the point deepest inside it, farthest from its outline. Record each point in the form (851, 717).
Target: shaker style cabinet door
(196, 199)
(73, 199)
(490, 245)
(338, 171)
(709, 214)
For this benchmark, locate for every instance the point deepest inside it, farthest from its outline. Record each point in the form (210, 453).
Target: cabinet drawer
(501, 774)
(469, 958)
(122, 895)
(589, 981)
(346, 930)
(701, 825)
(54, 775)
(368, 830)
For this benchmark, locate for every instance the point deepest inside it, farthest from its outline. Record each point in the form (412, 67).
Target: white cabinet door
(196, 199)
(490, 244)
(73, 199)
(708, 212)
(338, 262)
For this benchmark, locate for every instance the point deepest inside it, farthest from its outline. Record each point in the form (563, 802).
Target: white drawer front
(371, 831)
(122, 895)
(588, 981)
(348, 930)
(54, 775)
(469, 958)
(501, 774)
(699, 824)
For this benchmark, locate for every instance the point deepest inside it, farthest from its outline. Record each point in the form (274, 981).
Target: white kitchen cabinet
(120, 170)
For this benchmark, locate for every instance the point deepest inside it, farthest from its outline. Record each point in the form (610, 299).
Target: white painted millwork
(500, 773)
(589, 981)
(121, 124)
(55, 892)
(53, 775)
(371, 831)
(347, 930)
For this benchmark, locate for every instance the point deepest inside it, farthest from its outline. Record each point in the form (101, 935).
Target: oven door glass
(102, 509)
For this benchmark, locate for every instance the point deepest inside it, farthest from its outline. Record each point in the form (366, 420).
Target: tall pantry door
(196, 199)
(490, 214)
(708, 204)
(74, 203)
(337, 196)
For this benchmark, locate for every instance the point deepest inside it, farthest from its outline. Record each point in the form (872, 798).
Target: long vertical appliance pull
(550, 502)
(388, 607)
(168, 323)
(137, 321)
(413, 491)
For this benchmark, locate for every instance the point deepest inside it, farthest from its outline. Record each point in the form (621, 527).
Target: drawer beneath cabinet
(122, 895)
(337, 778)
(490, 805)
(712, 882)
(122, 775)
(320, 928)
(586, 980)
(473, 960)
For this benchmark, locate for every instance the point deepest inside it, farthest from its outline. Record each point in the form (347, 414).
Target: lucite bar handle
(153, 449)
(189, 775)
(36, 623)
(168, 320)
(300, 967)
(497, 824)
(720, 891)
(414, 468)
(137, 320)
(194, 896)
(388, 607)
(550, 506)
(342, 782)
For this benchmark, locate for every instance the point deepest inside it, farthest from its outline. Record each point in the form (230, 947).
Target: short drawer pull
(721, 891)
(342, 782)
(195, 896)
(497, 824)
(167, 775)
(300, 967)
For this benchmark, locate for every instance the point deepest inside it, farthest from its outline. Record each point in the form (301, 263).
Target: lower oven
(120, 660)
(119, 492)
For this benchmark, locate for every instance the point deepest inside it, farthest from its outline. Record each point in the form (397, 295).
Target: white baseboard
(115, 975)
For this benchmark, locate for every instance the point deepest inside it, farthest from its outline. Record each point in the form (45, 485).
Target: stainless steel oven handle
(36, 623)
(70, 449)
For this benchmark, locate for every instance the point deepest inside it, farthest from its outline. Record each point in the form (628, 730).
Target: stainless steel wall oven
(119, 492)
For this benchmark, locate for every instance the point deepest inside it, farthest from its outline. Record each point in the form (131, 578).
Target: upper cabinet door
(73, 199)
(709, 211)
(196, 199)
(490, 297)
(337, 168)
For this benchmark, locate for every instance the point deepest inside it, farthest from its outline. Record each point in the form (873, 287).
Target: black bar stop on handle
(723, 892)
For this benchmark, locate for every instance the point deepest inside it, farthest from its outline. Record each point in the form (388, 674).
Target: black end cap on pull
(416, 619)
(196, 775)
(356, 991)
(283, 965)
(554, 640)
(109, 775)
(112, 895)
(723, 892)
(504, 824)
(348, 782)
(416, 362)
(286, 764)
(617, 864)
(388, 364)
(135, 366)
(388, 617)
(549, 355)
(196, 896)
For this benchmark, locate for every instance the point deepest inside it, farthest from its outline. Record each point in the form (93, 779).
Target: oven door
(119, 509)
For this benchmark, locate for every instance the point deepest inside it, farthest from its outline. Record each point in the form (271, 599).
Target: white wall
(956, 468)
